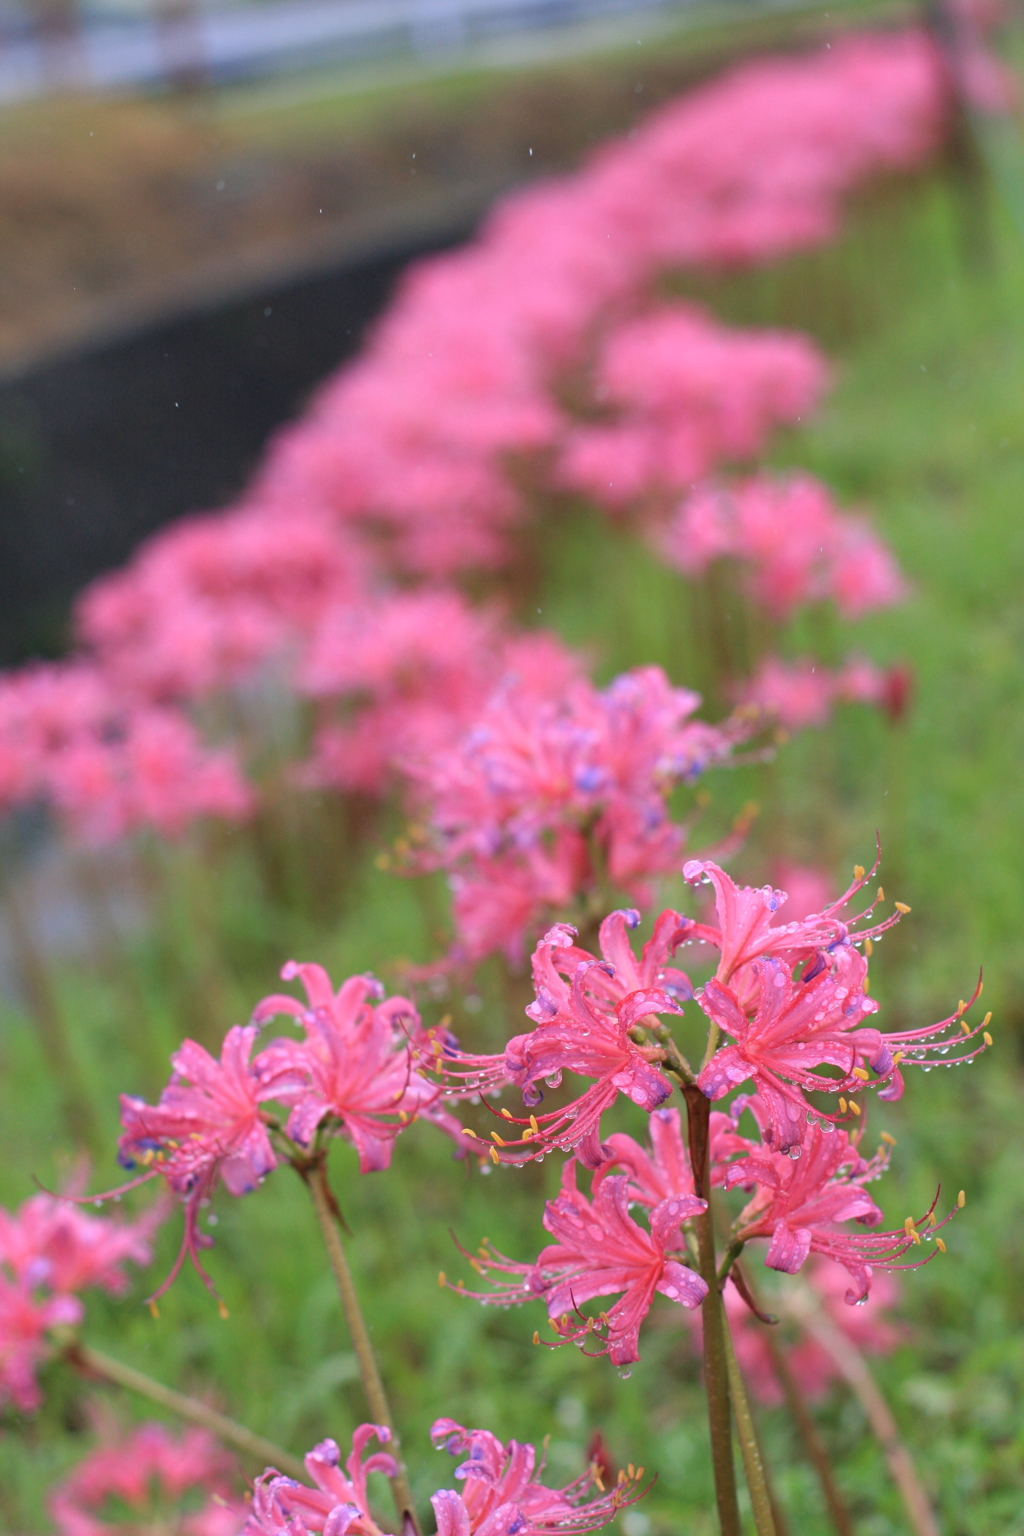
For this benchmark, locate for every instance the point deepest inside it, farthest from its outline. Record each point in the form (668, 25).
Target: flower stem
(716, 1367)
(92, 1363)
(854, 1369)
(315, 1177)
(753, 1462)
(810, 1437)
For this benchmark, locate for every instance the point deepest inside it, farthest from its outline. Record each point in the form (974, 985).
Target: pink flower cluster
(49, 1251)
(790, 1015)
(70, 739)
(677, 395)
(130, 1471)
(502, 1494)
(353, 1075)
(556, 796)
(814, 1370)
(794, 544)
(416, 435)
(532, 357)
(802, 693)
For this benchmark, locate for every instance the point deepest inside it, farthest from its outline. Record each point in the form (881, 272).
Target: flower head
(355, 1066)
(336, 1505)
(148, 1461)
(599, 1250)
(502, 1494)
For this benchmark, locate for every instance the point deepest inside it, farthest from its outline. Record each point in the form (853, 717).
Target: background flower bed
(922, 426)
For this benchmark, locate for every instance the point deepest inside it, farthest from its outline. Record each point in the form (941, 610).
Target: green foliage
(923, 427)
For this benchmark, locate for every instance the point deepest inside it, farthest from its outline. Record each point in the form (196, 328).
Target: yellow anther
(961, 1200)
(843, 1106)
(442, 1279)
(222, 1309)
(897, 1057)
(444, 1023)
(881, 894)
(564, 1320)
(940, 1245)
(494, 1154)
(908, 1226)
(639, 1473)
(981, 988)
(527, 1136)
(534, 1127)
(931, 1218)
(855, 1107)
(858, 871)
(506, 1114)
(154, 1310)
(460, 1285)
(865, 1077)
(621, 1477)
(596, 1474)
(475, 1264)
(986, 1037)
(901, 906)
(965, 1028)
(631, 1470)
(497, 1139)
(987, 1020)
(536, 1336)
(403, 1116)
(869, 947)
(961, 1009)
(890, 1141)
(866, 985)
(553, 1323)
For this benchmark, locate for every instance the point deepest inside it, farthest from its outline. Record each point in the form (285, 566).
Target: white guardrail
(179, 40)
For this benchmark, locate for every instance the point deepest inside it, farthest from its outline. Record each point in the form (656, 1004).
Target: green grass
(923, 427)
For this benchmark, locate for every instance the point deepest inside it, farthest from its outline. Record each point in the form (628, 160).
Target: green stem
(753, 1462)
(716, 1367)
(328, 1214)
(92, 1363)
(810, 1437)
(854, 1369)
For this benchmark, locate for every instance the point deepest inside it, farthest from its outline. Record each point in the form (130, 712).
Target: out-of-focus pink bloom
(686, 394)
(813, 1368)
(51, 1242)
(502, 1495)
(48, 1251)
(808, 889)
(564, 791)
(206, 1125)
(354, 1067)
(804, 693)
(599, 1250)
(209, 598)
(583, 1012)
(149, 1462)
(337, 1504)
(792, 540)
(71, 740)
(25, 1320)
(799, 1205)
(397, 679)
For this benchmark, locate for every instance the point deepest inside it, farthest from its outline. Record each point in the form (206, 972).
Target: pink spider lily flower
(799, 1205)
(599, 1250)
(804, 693)
(48, 1251)
(146, 1461)
(26, 1318)
(207, 1125)
(337, 1504)
(746, 927)
(584, 1011)
(797, 1028)
(664, 1172)
(355, 1066)
(50, 1242)
(502, 1495)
